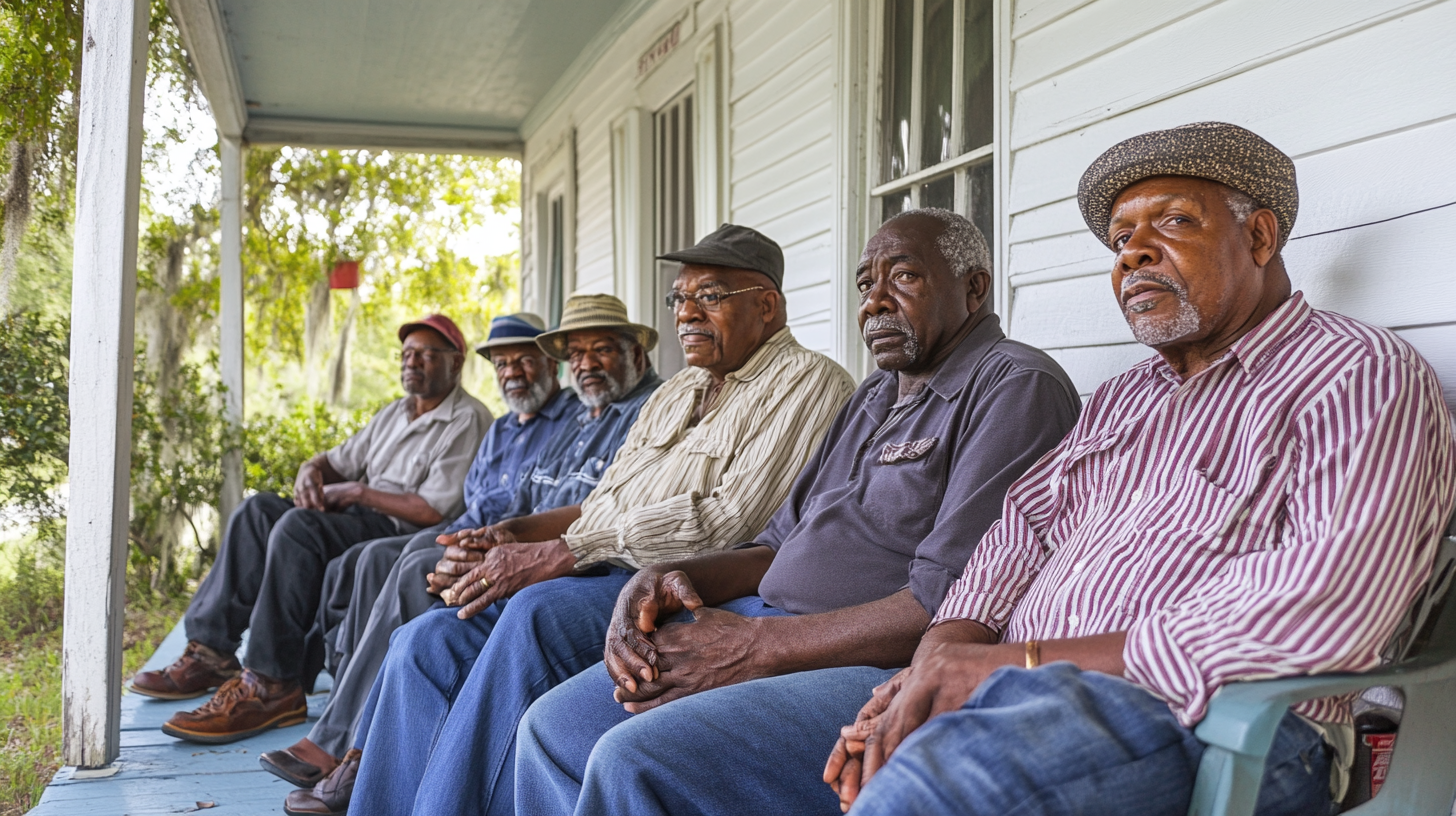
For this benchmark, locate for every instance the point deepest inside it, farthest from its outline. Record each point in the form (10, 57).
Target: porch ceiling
(423, 74)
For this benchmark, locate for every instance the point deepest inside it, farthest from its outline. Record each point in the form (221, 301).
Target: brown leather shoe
(196, 672)
(242, 707)
(330, 797)
(303, 763)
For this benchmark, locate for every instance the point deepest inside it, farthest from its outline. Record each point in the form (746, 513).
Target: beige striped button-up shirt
(677, 489)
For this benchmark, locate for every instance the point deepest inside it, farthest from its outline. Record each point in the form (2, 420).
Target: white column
(231, 322)
(103, 305)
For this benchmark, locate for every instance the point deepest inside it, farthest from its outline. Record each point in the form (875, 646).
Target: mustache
(696, 328)
(886, 322)
(513, 383)
(1152, 277)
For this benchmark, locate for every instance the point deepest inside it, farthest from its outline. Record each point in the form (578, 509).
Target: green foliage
(34, 419)
(178, 439)
(278, 444)
(39, 71)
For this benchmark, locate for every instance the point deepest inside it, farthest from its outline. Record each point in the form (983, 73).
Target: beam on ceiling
(204, 35)
(323, 133)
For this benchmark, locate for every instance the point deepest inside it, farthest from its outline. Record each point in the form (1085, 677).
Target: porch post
(231, 322)
(103, 305)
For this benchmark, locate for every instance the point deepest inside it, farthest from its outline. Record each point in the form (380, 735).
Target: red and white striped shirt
(1272, 515)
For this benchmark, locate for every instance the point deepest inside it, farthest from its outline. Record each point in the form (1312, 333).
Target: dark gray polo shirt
(900, 497)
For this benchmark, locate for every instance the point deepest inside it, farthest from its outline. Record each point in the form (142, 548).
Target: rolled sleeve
(350, 458)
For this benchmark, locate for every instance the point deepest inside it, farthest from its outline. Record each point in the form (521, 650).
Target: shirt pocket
(705, 457)
(904, 485)
(1080, 468)
(1217, 512)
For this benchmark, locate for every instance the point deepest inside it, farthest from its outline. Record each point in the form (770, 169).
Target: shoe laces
(233, 690)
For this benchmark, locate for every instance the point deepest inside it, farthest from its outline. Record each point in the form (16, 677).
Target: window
(937, 115)
(672, 158)
(556, 261)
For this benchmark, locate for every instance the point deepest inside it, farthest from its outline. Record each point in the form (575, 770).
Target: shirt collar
(558, 404)
(443, 412)
(1251, 350)
(955, 373)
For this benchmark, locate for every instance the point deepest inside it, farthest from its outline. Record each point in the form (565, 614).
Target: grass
(30, 674)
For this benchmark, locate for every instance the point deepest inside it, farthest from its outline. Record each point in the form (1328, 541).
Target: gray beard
(1154, 331)
(616, 389)
(536, 396)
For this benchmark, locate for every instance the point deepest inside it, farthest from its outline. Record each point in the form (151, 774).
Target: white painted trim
(940, 169)
(103, 309)
(632, 263)
(1001, 19)
(554, 177)
(337, 135)
(852, 86)
(710, 134)
(230, 323)
(204, 35)
(595, 49)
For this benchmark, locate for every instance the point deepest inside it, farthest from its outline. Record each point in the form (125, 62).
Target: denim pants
(438, 731)
(1053, 740)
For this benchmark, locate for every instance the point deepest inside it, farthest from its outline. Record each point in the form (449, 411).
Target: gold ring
(485, 583)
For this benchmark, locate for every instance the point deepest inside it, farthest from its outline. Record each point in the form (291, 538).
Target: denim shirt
(575, 459)
(506, 456)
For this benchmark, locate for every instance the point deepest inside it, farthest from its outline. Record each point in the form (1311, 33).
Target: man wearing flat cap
(711, 456)
(1262, 498)
(539, 407)
(401, 473)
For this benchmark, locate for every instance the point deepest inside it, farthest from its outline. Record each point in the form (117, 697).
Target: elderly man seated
(539, 408)
(712, 454)
(402, 472)
(1262, 498)
(719, 711)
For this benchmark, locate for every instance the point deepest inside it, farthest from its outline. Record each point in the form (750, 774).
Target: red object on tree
(345, 275)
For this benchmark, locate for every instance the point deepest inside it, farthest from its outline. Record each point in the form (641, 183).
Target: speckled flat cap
(1217, 151)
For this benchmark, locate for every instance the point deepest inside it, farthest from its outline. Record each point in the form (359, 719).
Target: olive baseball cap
(736, 248)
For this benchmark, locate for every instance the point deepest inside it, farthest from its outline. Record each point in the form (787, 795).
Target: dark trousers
(267, 579)
(379, 606)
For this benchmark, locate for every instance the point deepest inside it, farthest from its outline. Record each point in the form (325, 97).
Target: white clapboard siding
(1391, 76)
(782, 146)
(1224, 39)
(1395, 273)
(1360, 93)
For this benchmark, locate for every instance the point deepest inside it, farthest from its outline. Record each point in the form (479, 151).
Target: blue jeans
(1053, 740)
(463, 685)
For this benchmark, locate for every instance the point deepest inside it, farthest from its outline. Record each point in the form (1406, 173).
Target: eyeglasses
(529, 362)
(707, 301)
(425, 354)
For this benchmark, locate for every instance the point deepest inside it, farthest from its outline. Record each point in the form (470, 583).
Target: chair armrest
(1242, 717)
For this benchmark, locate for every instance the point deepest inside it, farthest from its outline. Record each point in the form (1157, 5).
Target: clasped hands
(941, 679)
(310, 492)
(482, 566)
(654, 664)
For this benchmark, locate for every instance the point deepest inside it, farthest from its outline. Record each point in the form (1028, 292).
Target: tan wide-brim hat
(1217, 151)
(584, 312)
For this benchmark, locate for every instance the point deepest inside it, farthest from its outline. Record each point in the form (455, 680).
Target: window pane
(939, 193)
(899, 55)
(979, 99)
(983, 201)
(894, 204)
(935, 83)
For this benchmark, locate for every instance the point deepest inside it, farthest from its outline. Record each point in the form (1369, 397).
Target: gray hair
(1241, 204)
(959, 242)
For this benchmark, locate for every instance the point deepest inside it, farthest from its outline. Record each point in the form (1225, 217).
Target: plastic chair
(1242, 717)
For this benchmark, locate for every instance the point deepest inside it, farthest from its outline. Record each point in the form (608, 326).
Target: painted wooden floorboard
(158, 774)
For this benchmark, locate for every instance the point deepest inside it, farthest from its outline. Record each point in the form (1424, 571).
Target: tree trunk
(16, 203)
(339, 374)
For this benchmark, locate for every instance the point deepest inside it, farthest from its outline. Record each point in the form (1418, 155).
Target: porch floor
(158, 774)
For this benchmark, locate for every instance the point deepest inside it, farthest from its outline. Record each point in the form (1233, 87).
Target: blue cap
(512, 330)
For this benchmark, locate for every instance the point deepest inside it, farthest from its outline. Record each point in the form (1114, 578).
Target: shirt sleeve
(1014, 549)
(476, 479)
(764, 465)
(1367, 502)
(1009, 429)
(351, 457)
(443, 485)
